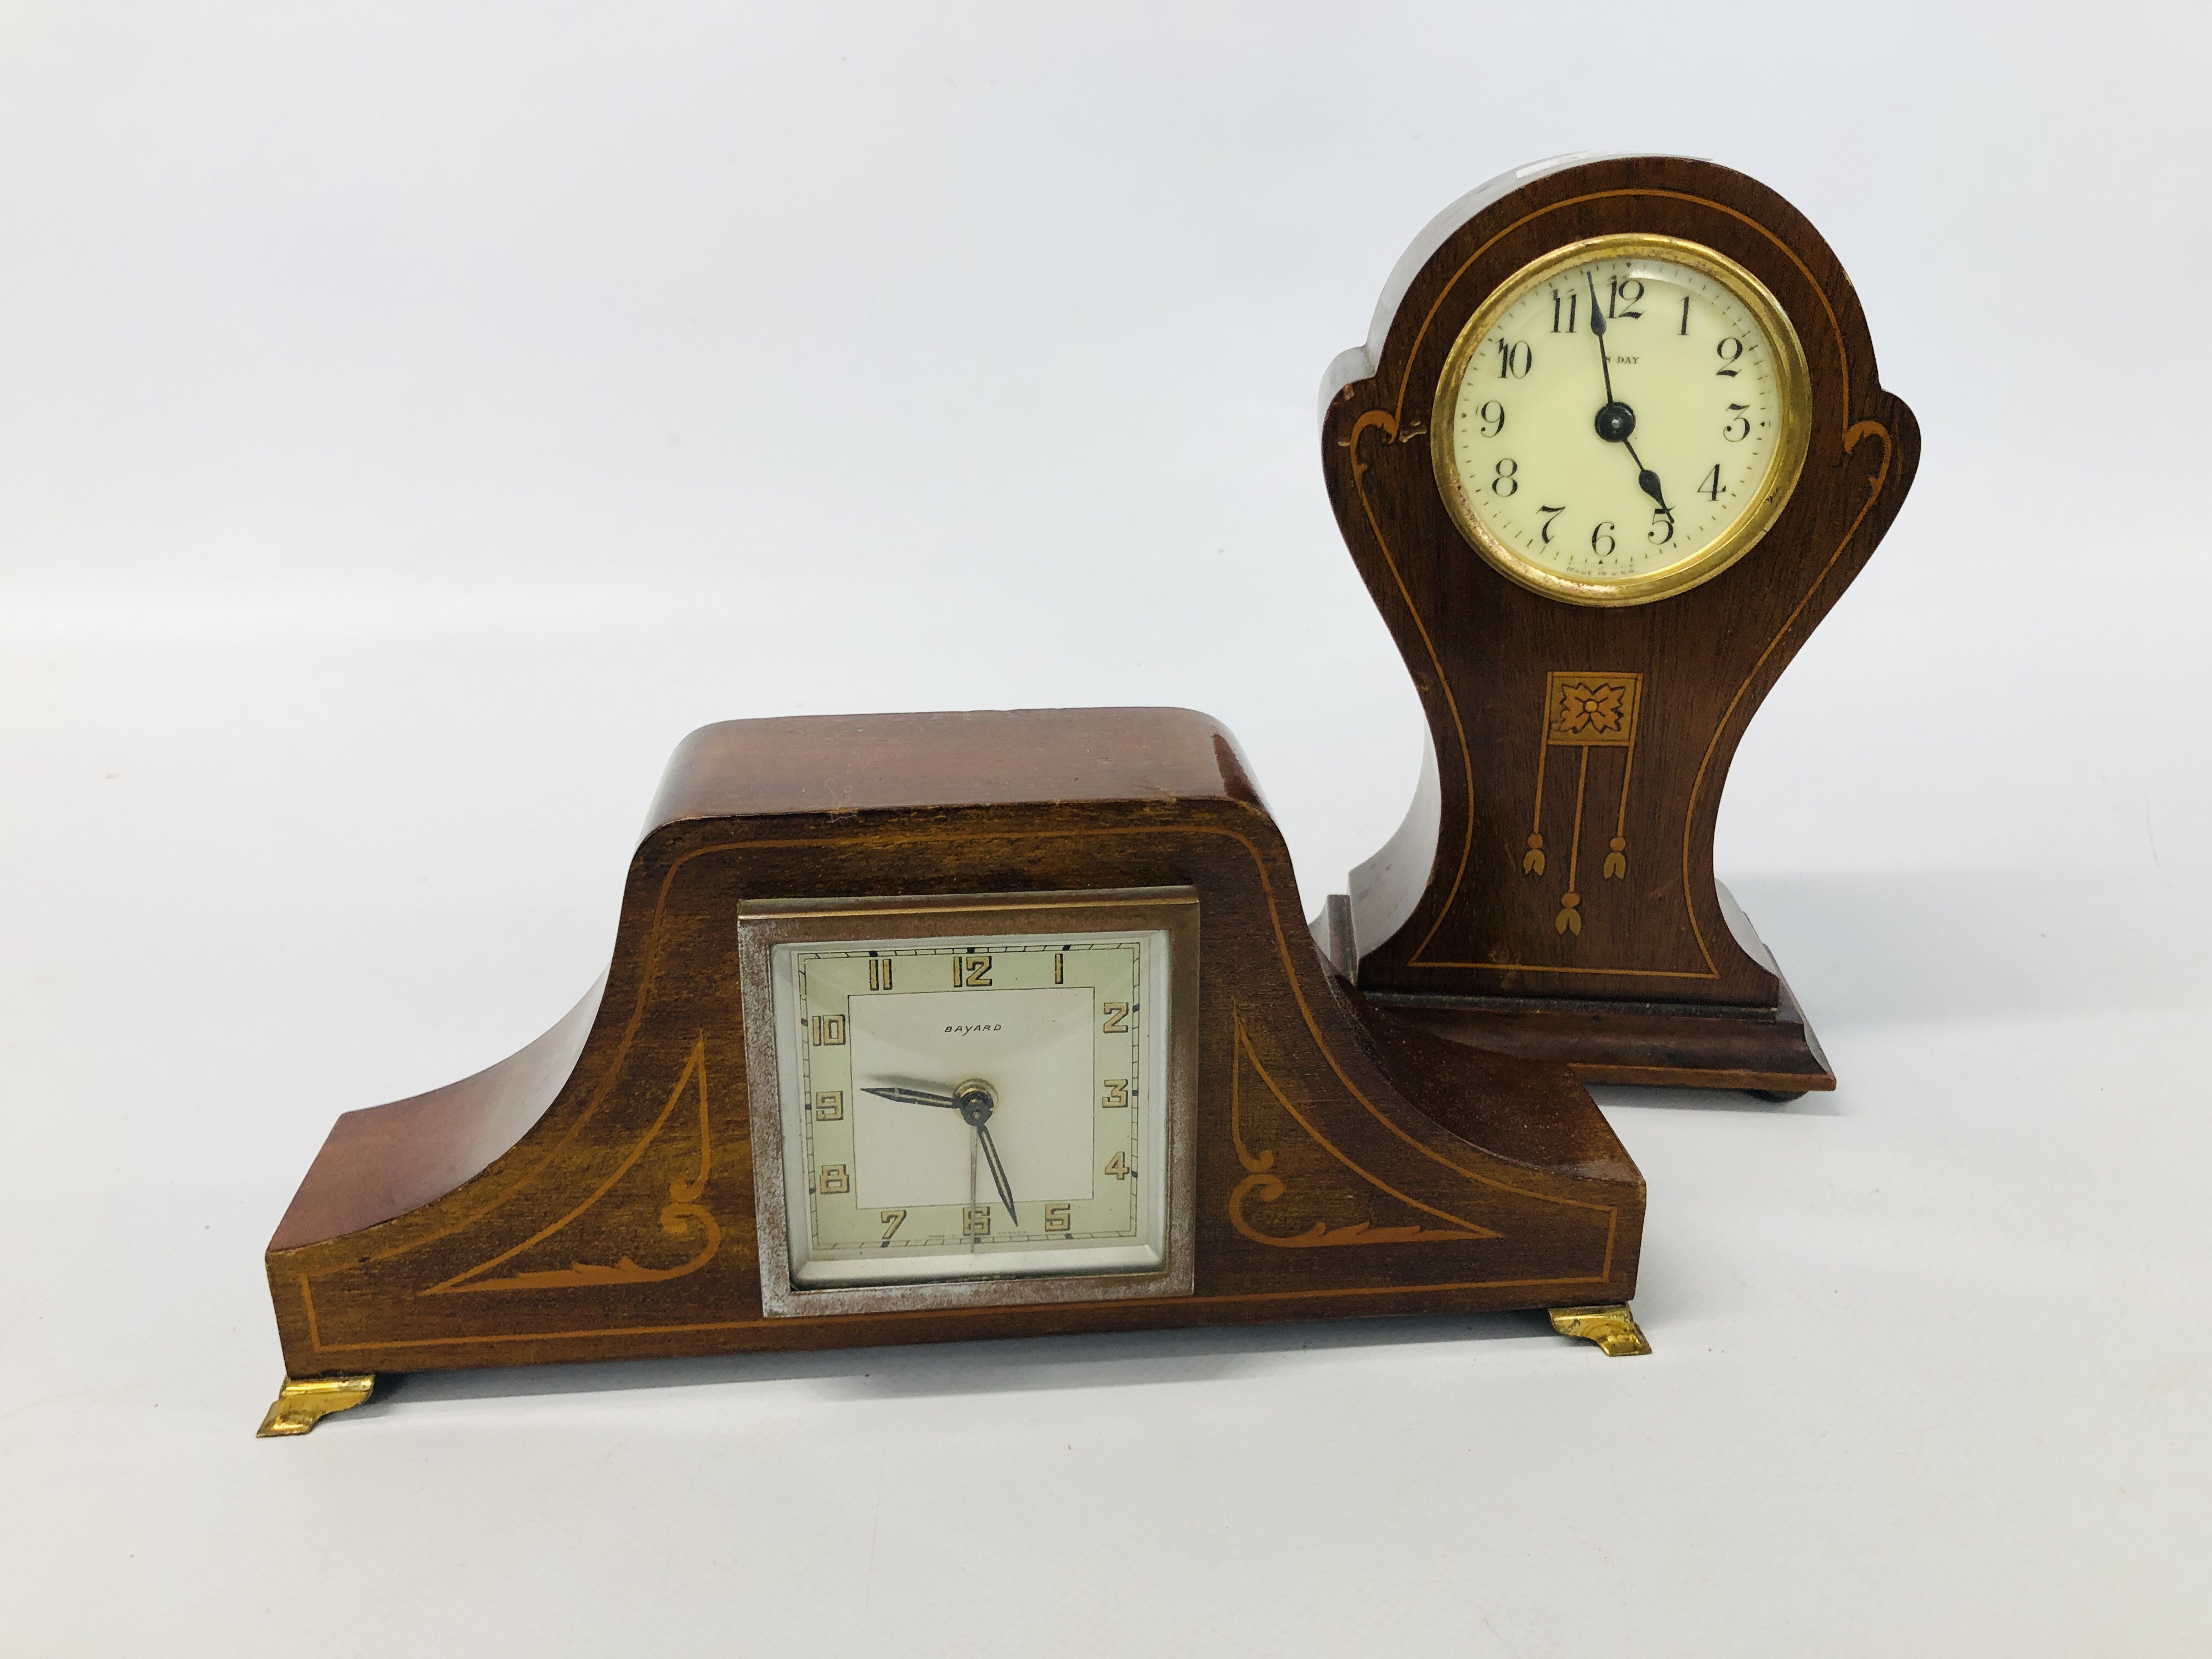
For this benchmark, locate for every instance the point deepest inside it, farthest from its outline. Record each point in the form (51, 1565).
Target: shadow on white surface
(1713, 1100)
(1106, 1360)
(1934, 946)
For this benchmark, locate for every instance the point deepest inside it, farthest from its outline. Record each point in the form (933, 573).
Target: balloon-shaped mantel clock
(1613, 447)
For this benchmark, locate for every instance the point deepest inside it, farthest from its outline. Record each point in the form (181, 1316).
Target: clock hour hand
(1647, 480)
(914, 1097)
(997, 1171)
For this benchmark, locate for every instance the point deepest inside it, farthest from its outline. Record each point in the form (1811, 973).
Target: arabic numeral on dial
(1663, 529)
(1742, 420)
(1493, 418)
(1503, 480)
(1515, 360)
(1728, 351)
(1552, 515)
(1572, 300)
(889, 1221)
(1602, 542)
(1617, 294)
(1118, 1167)
(1710, 486)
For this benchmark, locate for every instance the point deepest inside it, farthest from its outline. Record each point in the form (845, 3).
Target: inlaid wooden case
(595, 1195)
(1552, 889)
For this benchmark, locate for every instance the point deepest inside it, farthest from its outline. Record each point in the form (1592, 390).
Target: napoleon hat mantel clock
(921, 1027)
(1613, 447)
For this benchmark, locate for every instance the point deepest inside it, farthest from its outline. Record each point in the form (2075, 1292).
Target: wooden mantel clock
(936, 1026)
(930, 1026)
(1613, 447)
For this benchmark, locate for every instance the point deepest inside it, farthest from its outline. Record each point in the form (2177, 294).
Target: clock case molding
(1550, 892)
(593, 1196)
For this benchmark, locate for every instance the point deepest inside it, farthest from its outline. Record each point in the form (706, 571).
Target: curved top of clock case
(1357, 362)
(1444, 907)
(1439, 251)
(383, 1162)
(985, 757)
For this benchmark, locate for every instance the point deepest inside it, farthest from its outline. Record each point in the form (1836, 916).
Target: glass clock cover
(1622, 420)
(986, 1106)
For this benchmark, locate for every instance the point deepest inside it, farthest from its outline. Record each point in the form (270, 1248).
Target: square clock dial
(975, 1100)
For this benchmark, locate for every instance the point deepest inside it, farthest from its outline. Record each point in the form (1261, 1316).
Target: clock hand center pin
(977, 1100)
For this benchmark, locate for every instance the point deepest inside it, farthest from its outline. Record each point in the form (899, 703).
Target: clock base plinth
(302, 1402)
(1610, 1325)
(1768, 1052)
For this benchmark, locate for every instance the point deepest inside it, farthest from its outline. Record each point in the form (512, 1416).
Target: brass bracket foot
(1610, 1325)
(303, 1402)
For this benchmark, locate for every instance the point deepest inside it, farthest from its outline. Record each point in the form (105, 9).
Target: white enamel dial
(1621, 421)
(965, 1107)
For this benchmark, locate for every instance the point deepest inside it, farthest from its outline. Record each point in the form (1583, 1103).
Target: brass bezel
(1793, 383)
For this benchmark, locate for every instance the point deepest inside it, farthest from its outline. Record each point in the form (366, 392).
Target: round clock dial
(1622, 420)
(971, 1107)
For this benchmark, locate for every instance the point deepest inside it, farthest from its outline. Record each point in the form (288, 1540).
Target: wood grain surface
(1348, 1163)
(1451, 908)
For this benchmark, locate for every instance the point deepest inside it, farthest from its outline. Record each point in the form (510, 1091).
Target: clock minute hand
(1597, 333)
(997, 1171)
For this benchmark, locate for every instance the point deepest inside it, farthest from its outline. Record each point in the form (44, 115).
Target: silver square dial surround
(1076, 1010)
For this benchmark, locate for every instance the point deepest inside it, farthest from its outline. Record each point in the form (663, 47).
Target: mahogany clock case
(593, 1197)
(1552, 890)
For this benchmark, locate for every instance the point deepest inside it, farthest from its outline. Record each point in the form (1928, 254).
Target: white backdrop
(415, 417)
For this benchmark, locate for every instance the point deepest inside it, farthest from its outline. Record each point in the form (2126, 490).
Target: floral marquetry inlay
(1585, 711)
(1592, 708)
(1321, 1179)
(677, 1140)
